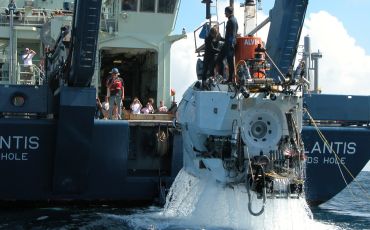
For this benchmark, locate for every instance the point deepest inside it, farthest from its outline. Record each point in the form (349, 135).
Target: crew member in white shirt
(27, 61)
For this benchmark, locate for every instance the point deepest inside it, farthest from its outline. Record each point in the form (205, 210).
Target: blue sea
(348, 210)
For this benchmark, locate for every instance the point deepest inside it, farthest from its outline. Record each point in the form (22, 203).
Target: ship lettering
(333, 147)
(251, 42)
(351, 148)
(333, 160)
(312, 160)
(14, 157)
(33, 142)
(19, 142)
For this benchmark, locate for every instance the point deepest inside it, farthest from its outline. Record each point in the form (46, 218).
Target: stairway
(85, 37)
(287, 19)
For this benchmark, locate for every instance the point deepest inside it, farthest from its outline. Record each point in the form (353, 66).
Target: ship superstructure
(48, 129)
(123, 43)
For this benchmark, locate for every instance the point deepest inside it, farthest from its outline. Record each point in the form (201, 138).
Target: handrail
(109, 22)
(29, 75)
(31, 16)
(199, 40)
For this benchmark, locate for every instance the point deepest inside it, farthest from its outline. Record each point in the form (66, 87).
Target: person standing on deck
(115, 93)
(228, 49)
(210, 53)
(27, 57)
(27, 62)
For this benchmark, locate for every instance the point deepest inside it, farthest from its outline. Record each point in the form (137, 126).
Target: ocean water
(350, 209)
(203, 205)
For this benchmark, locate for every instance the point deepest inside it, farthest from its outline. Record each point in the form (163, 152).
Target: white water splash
(205, 204)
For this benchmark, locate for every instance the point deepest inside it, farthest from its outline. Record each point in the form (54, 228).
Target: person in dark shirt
(13, 7)
(228, 49)
(210, 53)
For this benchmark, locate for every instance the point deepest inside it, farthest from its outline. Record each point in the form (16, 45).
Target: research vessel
(53, 149)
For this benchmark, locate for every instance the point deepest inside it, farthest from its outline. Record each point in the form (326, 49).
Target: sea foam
(194, 203)
(208, 204)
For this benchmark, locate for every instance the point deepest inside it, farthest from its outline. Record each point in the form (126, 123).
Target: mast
(315, 57)
(11, 8)
(250, 16)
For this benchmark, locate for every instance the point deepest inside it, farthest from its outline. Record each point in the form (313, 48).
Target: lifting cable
(263, 195)
(242, 132)
(277, 68)
(325, 141)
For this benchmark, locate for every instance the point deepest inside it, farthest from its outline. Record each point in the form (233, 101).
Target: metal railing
(4, 75)
(29, 75)
(109, 22)
(201, 33)
(29, 16)
(24, 75)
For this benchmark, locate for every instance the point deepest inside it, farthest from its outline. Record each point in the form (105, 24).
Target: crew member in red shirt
(115, 94)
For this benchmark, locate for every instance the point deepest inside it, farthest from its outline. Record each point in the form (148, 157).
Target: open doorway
(138, 69)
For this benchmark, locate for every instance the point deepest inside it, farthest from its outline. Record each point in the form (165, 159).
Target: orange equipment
(245, 47)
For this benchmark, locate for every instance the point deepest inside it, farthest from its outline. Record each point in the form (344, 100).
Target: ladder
(287, 19)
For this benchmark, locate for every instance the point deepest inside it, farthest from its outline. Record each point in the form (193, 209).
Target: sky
(337, 29)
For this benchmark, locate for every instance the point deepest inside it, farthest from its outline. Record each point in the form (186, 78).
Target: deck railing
(29, 75)
(24, 75)
(109, 22)
(31, 16)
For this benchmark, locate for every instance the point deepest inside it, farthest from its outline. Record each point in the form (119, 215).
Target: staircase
(85, 37)
(29, 75)
(287, 19)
